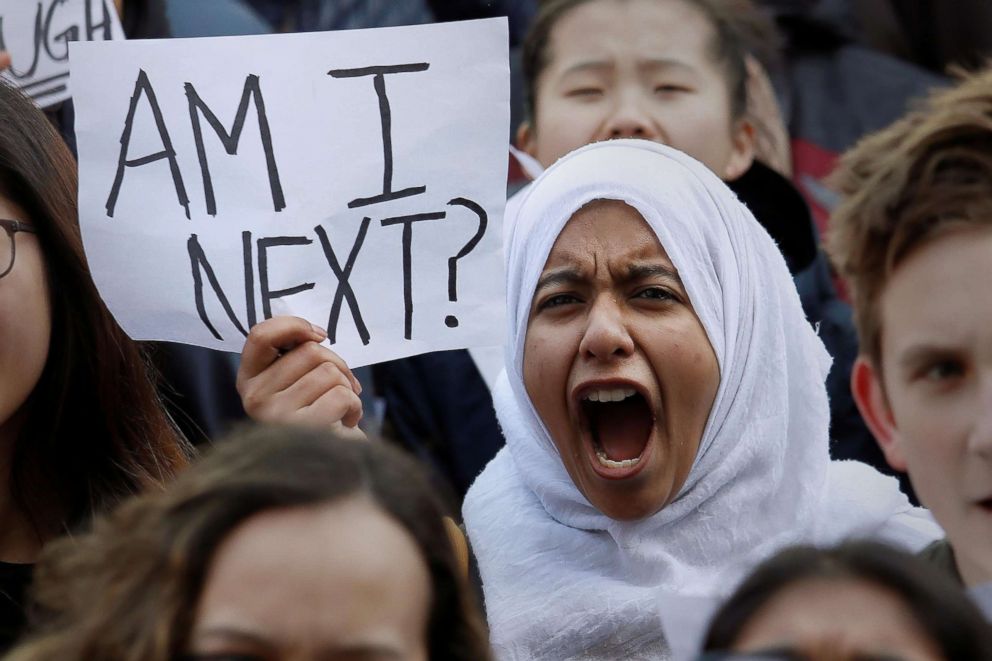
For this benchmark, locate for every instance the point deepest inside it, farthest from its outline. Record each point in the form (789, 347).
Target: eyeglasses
(8, 247)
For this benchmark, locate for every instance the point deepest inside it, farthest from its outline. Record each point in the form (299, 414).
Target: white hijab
(561, 579)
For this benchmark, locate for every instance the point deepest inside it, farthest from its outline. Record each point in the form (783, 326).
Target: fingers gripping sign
(286, 376)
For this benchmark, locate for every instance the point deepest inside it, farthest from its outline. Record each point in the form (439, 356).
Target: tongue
(622, 428)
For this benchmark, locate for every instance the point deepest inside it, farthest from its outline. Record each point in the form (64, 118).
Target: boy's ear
(525, 138)
(866, 385)
(743, 140)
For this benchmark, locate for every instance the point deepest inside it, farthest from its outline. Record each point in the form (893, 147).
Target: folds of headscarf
(563, 580)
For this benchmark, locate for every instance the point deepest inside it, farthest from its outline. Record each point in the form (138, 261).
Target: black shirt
(14, 582)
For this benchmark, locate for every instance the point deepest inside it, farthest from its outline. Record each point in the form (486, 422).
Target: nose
(606, 335)
(629, 119)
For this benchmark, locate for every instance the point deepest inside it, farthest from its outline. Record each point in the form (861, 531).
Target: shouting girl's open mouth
(617, 423)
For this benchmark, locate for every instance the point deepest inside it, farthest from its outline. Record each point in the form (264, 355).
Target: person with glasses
(81, 425)
(8, 246)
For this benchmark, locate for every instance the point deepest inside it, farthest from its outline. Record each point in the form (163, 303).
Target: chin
(628, 508)
(627, 515)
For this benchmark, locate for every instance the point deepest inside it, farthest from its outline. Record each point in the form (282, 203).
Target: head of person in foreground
(858, 600)
(282, 543)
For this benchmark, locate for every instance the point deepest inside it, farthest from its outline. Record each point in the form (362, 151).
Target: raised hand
(287, 377)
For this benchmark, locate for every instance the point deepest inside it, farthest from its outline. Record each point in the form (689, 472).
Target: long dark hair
(128, 590)
(94, 429)
(939, 607)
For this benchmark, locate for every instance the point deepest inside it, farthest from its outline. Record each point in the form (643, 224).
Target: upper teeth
(610, 394)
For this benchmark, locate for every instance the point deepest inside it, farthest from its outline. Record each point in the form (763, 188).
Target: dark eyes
(593, 92)
(944, 370)
(586, 92)
(656, 293)
(557, 300)
(649, 293)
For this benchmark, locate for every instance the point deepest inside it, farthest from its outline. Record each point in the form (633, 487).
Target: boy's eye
(943, 370)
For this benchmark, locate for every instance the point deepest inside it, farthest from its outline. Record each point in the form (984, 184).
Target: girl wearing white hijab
(664, 409)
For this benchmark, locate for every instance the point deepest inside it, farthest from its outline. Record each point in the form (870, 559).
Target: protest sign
(37, 36)
(354, 178)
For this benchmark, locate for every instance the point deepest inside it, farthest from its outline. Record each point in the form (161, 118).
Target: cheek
(708, 143)
(547, 362)
(931, 429)
(25, 331)
(37, 322)
(690, 354)
(703, 130)
(681, 355)
(931, 432)
(703, 374)
(709, 370)
(562, 127)
(931, 448)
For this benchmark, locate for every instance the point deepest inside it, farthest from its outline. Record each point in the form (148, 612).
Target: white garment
(489, 362)
(530, 165)
(562, 580)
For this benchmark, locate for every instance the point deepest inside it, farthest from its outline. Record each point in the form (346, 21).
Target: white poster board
(36, 34)
(354, 178)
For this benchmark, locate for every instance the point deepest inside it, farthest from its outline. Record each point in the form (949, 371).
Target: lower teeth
(609, 463)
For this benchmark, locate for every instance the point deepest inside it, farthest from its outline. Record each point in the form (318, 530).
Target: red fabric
(810, 160)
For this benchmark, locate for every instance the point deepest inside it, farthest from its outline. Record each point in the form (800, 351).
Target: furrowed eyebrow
(645, 271)
(565, 276)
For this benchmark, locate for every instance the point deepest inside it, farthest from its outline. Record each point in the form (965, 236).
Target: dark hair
(739, 28)
(939, 607)
(129, 589)
(94, 429)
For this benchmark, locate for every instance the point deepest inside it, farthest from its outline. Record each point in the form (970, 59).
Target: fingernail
(320, 332)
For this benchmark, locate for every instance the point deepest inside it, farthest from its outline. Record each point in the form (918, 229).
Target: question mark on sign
(451, 321)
